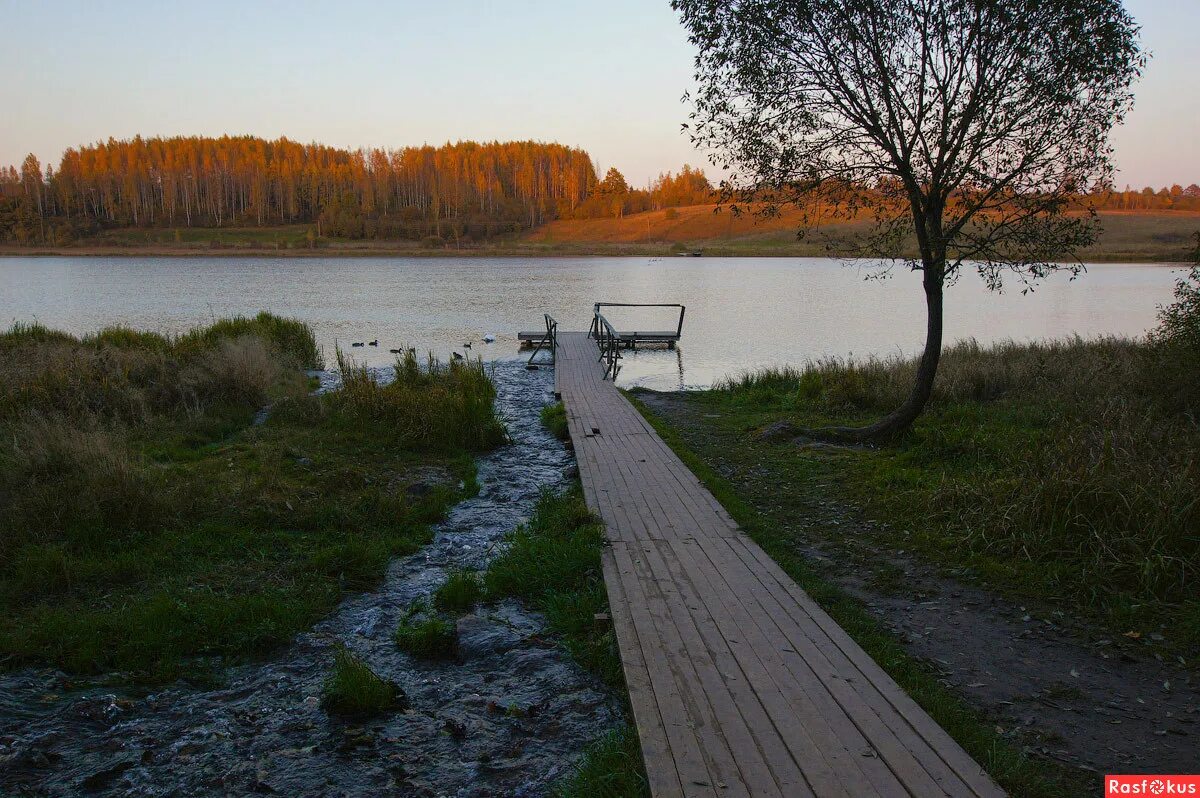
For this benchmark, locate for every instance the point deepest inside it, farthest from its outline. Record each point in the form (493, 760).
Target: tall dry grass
(123, 374)
(1082, 456)
(430, 407)
(1071, 370)
(69, 408)
(71, 481)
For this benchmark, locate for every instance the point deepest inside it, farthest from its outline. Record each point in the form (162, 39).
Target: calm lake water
(741, 312)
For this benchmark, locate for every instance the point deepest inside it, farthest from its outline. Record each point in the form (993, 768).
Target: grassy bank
(1067, 472)
(151, 525)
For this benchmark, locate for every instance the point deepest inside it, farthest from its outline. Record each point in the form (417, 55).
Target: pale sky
(603, 76)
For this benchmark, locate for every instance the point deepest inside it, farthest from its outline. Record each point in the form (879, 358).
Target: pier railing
(610, 345)
(551, 339)
(633, 338)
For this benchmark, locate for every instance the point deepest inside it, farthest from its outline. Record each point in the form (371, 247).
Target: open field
(1135, 236)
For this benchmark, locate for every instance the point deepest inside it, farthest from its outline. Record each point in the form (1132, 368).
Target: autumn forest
(465, 190)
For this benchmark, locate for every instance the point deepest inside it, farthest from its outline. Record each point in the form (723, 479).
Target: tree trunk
(902, 417)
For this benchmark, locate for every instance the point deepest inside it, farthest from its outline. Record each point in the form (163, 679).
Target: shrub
(237, 370)
(124, 337)
(123, 374)
(1177, 338)
(291, 338)
(354, 689)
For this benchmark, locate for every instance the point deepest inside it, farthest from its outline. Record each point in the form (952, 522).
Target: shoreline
(597, 251)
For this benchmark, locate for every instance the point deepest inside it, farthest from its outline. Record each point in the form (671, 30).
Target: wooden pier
(740, 684)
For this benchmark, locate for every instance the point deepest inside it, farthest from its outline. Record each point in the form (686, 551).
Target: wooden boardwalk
(740, 684)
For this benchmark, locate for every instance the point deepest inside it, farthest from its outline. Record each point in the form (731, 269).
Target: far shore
(727, 249)
(1127, 237)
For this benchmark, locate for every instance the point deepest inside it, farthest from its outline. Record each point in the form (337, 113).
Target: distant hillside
(1128, 235)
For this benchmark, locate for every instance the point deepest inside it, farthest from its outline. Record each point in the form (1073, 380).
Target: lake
(741, 312)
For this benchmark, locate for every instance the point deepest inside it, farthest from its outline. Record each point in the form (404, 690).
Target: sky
(607, 77)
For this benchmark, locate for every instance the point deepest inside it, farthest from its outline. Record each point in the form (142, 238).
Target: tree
(31, 180)
(969, 125)
(614, 190)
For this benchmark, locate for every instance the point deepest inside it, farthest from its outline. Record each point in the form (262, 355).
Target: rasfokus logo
(1151, 785)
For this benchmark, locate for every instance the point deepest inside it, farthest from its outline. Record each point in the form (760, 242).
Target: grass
(554, 417)
(785, 494)
(427, 635)
(459, 594)
(430, 407)
(1067, 472)
(354, 690)
(150, 526)
(611, 768)
(553, 564)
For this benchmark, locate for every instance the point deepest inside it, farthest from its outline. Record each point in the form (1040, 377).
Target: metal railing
(551, 338)
(610, 345)
(597, 315)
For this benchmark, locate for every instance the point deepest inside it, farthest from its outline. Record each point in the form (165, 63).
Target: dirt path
(1061, 690)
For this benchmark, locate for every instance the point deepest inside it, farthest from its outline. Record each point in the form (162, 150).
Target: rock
(481, 637)
(456, 728)
(103, 778)
(571, 471)
(370, 619)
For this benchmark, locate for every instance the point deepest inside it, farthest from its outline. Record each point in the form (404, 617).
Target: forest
(464, 190)
(457, 193)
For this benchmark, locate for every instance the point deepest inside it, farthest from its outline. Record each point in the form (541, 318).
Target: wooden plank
(689, 758)
(663, 778)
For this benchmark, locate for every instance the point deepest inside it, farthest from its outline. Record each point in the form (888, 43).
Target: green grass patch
(459, 594)
(554, 417)
(611, 768)
(354, 690)
(426, 634)
(785, 492)
(150, 526)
